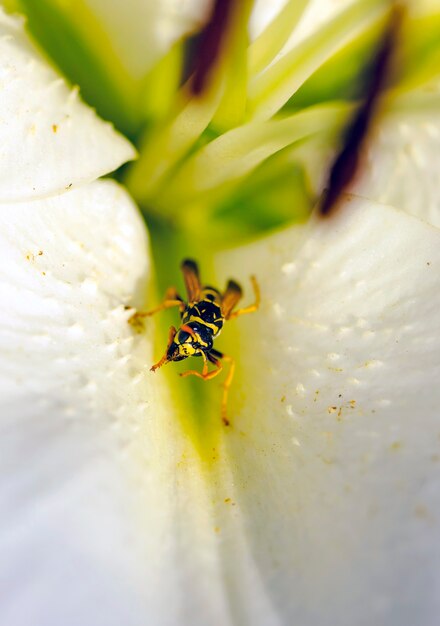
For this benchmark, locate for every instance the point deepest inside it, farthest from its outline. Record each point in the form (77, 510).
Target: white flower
(320, 505)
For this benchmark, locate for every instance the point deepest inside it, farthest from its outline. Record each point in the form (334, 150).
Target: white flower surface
(335, 457)
(141, 31)
(50, 140)
(318, 506)
(408, 142)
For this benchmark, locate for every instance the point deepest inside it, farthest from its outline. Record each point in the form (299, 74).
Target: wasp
(202, 318)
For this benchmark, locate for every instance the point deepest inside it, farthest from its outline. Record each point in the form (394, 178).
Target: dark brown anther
(346, 164)
(210, 44)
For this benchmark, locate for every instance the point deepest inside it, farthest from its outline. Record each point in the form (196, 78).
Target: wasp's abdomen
(205, 313)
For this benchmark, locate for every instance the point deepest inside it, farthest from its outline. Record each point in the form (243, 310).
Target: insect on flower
(202, 318)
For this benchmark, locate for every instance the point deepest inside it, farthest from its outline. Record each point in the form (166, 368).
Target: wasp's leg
(252, 307)
(171, 335)
(216, 355)
(191, 332)
(205, 374)
(171, 299)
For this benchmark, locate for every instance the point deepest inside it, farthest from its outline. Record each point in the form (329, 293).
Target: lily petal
(405, 147)
(69, 265)
(50, 140)
(334, 452)
(326, 487)
(141, 30)
(106, 515)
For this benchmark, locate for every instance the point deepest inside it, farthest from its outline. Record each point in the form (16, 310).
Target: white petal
(142, 30)
(401, 164)
(334, 450)
(50, 141)
(69, 264)
(400, 159)
(106, 519)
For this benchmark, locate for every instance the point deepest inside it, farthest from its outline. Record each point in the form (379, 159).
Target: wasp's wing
(191, 277)
(230, 298)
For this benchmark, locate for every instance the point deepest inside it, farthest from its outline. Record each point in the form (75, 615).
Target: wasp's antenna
(165, 359)
(346, 164)
(159, 364)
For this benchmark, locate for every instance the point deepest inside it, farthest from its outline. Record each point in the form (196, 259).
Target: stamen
(346, 165)
(210, 44)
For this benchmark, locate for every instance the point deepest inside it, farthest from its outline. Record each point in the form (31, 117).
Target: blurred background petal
(51, 141)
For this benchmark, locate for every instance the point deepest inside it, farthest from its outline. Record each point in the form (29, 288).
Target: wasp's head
(180, 351)
(188, 341)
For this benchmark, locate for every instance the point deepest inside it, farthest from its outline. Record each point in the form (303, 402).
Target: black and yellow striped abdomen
(201, 322)
(206, 312)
